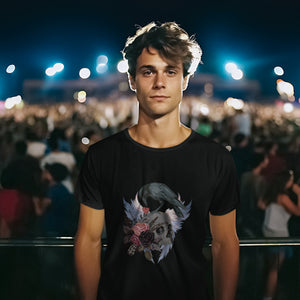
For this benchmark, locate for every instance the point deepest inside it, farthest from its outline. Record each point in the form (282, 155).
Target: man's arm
(225, 252)
(87, 251)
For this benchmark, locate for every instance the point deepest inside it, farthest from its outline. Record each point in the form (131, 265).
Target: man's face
(158, 83)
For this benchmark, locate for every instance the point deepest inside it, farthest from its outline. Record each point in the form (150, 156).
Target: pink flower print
(145, 210)
(135, 240)
(138, 228)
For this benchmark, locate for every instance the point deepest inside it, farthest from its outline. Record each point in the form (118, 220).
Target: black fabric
(141, 187)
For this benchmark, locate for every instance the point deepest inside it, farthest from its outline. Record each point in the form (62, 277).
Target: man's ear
(185, 82)
(131, 81)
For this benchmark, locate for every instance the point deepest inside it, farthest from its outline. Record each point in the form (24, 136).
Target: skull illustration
(160, 224)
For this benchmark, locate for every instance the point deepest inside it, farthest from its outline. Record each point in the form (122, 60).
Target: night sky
(257, 35)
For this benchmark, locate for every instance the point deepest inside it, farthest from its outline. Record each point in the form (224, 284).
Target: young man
(155, 185)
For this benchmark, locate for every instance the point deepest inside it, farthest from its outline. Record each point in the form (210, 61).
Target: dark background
(257, 35)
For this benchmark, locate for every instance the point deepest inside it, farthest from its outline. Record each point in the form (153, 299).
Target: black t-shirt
(156, 205)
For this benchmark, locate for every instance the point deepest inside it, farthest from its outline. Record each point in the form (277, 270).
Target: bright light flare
(84, 73)
(237, 74)
(204, 109)
(10, 69)
(50, 71)
(231, 67)
(58, 67)
(102, 68)
(85, 141)
(278, 71)
(235, 103)
(81, 96)
(122, 66)
(102, 60)
(285, 88)
(13, 101)
(288, 107)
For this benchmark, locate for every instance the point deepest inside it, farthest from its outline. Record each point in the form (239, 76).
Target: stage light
(84, 73)
(231, 67)
(81, 96)
(101, 68)
(237, 74)
(278, 71)
(122, 66)
(204, 109)
(288, 107)
(285, 88)
(50, 71)
(10, 69)
(58, 67)
(85, 141)
(102, 60)
(235, 103)
(13, 101)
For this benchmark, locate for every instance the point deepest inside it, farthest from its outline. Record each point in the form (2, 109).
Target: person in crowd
(250, 214)
(242, 122)
(205, 127)
(276, 163)
(83, 142)
(35, 146)
(58, 210)
(59, 134)
(241, 153)
(156, 184)
(21, 183)
(62, 157)
(279, 208)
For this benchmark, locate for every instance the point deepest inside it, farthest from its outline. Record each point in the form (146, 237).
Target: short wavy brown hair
(171, 41)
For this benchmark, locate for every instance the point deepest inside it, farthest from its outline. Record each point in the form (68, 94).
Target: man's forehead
(153, 56)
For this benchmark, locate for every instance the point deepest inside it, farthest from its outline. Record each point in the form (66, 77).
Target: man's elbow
(230, 244)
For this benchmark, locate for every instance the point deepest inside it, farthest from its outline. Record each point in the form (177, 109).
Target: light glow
(81, 97)
(50, 71)
(237, 74)
(102, 60)
(13, 101)
(235, 103)
(231, 67)
(288, 107)
(285, 88)
(10, 69)
(58, 67)
(122, 66)
(84, 73)
(85, 141)
(102, 68)
(278, 71)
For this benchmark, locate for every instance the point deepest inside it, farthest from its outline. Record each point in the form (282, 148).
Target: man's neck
(159, 133)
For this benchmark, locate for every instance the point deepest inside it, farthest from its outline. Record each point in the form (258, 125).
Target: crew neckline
(126, 132)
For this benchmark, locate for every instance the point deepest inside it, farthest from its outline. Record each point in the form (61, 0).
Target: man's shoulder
(208, 144)
(108, 140)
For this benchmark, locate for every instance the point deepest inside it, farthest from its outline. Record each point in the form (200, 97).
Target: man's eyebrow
(153, 67)
(146, 67)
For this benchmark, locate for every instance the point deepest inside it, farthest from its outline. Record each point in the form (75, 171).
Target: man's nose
(159, 81)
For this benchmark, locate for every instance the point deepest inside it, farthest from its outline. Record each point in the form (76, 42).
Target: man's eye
(147, 73)
(171, 72)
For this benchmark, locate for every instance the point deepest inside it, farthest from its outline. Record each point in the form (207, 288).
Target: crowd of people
(42, 149)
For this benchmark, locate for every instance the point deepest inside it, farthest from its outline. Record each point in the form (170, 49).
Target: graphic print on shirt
(152, 220)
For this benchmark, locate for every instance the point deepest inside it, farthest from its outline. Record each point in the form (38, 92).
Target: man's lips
(159, 97)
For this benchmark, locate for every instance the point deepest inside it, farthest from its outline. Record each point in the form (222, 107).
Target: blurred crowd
(42, 149)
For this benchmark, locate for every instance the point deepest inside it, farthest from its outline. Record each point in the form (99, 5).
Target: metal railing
(69, 242)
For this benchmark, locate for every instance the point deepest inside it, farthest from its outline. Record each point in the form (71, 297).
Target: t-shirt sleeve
(87, 189)
(226, 195)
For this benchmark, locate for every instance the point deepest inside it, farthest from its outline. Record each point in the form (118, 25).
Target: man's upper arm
(223, 227)
(91, 222)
